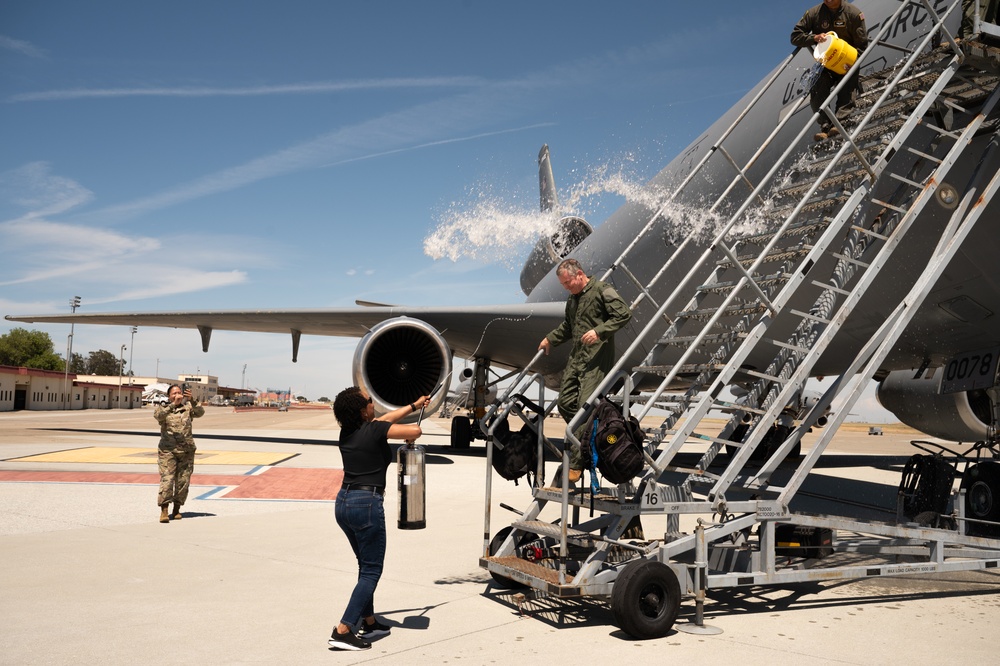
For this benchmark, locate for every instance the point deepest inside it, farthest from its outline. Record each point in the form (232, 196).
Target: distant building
(203, 387)
(28, 388)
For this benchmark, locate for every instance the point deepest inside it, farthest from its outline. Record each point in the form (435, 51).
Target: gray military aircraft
(754, 261)
(730, 190)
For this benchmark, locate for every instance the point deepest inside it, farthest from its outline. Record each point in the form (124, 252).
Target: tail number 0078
(970, 370)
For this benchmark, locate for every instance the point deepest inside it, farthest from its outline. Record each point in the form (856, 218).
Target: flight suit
(599, 307)
(175, 454)
(849, 24)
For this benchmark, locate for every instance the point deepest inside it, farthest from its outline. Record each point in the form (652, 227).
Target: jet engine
(960, 417)
(550, 250)
(400, 360)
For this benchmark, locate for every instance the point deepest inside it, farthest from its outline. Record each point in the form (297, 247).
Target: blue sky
(192, 155)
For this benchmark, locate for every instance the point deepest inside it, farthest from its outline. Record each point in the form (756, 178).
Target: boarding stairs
(829, 216)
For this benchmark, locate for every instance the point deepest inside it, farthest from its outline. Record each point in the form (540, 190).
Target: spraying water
(494, 228)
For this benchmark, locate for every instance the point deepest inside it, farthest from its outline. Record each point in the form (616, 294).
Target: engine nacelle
(463, 392)
(958, 417)
(550, 250)
(400, 360)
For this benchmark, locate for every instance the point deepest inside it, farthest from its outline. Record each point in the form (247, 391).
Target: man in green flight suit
(594, 311)
(848, 22)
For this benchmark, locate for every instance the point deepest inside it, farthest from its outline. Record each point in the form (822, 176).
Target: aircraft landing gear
(646, 599)
(981, 483)
(461, 432)
(775, 437)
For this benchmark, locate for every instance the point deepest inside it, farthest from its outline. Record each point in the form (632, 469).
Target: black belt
(361, 486)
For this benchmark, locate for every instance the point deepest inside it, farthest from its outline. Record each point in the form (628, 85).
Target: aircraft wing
(506, 334)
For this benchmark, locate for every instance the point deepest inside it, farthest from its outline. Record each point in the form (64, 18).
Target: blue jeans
(362, 517)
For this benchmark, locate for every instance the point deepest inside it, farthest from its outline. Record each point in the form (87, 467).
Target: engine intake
(401, 359)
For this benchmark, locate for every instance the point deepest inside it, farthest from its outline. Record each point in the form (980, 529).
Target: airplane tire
(502, 581)
(982, 498)
(461, 432)
(763, 450)
(646, 599)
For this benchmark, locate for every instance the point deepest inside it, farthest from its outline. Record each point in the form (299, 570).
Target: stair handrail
(616, 371)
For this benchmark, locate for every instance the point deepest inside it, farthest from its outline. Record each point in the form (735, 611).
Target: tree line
(34, 349)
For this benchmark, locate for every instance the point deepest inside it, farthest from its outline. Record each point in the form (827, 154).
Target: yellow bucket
(835, 54)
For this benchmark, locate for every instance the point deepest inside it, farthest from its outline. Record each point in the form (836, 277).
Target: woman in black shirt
(364, 448)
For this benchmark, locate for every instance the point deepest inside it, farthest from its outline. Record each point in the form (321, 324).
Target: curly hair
(347, 408)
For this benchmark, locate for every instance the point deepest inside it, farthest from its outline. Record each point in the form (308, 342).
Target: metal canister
(412, 486)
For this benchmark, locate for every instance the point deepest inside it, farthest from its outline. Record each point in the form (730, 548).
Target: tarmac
(257, 571)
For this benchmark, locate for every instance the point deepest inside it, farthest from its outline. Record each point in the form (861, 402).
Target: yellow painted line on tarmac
(114, 454)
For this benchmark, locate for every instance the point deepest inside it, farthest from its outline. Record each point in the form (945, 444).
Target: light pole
(130, 350)
(121, 363)
(73, 303)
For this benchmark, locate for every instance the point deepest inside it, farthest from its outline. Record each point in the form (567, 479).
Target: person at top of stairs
(848, 22)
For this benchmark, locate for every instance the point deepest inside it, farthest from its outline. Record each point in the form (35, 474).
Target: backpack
(519, 455)
(617, 442)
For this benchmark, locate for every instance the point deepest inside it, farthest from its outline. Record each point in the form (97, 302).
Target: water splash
(498, 228)
(489, 228)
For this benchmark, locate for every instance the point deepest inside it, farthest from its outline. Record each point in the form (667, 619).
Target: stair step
(732, 311)
(842, 180)
(763, 282)
(511, 566)
(605, 501)
(797, 229)
(713, 339)
(827, 207)
(687, 369)
(542, 528)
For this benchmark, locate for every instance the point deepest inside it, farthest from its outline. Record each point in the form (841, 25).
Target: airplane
(751, 205)
(407, 350)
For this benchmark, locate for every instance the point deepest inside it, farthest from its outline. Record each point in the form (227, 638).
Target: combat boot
(164, 514)
(177, 511)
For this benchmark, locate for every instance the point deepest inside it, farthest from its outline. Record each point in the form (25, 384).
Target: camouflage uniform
(176, 451)
(597, 307)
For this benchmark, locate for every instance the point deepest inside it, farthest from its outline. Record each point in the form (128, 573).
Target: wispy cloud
(320, 87)
(465, 116)
(33, 187)
(42, 250)
(64, 250)
(156, 283)
(440, 142)
(339, 147)
(22, 47)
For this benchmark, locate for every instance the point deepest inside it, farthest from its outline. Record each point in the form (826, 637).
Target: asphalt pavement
(258, 572)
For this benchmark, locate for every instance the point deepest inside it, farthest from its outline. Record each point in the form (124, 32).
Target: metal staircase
(798, 251)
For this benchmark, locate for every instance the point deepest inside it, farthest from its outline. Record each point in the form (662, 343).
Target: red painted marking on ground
(291, 483)
(274, 483)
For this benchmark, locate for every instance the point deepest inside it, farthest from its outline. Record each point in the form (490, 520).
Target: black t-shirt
(366, 454)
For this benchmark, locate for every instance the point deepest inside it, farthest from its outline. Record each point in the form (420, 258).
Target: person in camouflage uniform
(175, 454)
(594, 311)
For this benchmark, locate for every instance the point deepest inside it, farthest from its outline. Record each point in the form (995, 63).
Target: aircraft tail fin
(548, 199)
